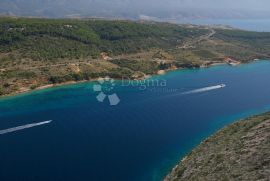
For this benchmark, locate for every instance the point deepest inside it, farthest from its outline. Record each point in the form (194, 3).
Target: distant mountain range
(126, 9)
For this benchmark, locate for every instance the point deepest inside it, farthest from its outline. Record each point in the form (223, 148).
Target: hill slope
(238, 152)
(37, 52)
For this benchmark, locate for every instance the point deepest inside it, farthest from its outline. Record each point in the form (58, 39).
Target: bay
(142, 138)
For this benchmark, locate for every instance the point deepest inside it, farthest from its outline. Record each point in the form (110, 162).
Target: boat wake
(10, 130)
(205, 89)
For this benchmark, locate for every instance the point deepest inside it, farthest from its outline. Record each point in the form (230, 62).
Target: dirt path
(192, 43)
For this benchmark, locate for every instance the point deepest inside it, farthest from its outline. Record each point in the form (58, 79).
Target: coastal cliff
(240, 151)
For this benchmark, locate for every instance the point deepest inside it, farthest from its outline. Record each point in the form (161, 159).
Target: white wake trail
(10, 130)
(205, 89)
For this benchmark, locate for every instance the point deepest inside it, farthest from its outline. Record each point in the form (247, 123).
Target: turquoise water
(141, 138)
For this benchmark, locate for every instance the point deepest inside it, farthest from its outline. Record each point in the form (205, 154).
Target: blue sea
(140, 139)
(260, 25)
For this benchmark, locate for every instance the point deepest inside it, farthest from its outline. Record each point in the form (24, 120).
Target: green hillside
(36, 52)
(49, 39)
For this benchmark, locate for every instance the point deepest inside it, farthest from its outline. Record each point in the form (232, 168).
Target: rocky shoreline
(236, 152)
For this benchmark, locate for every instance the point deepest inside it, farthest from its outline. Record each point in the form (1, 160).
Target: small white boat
(222, 85)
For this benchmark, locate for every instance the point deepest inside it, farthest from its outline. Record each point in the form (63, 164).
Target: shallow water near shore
(141, 138)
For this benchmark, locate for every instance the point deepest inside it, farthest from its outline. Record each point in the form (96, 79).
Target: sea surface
(155, 124)
(260, 25)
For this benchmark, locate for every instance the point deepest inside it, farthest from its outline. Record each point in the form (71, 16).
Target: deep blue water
(261, 25)
(142, 138)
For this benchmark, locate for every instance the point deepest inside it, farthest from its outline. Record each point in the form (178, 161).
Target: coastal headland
(239, 151)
